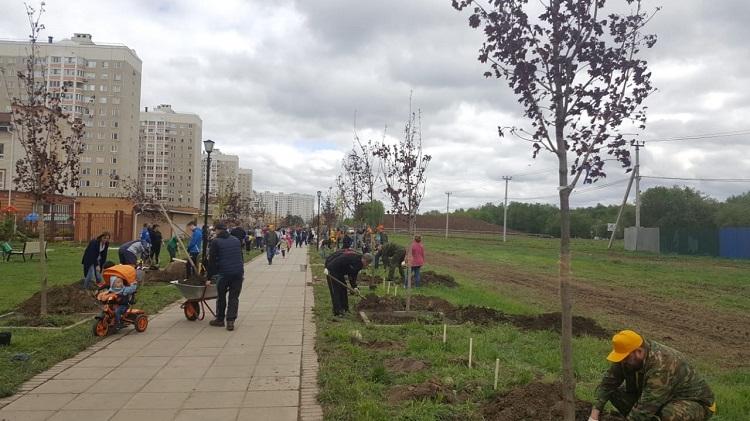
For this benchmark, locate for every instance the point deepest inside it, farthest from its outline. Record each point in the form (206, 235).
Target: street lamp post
(317, 238)
(208, 145)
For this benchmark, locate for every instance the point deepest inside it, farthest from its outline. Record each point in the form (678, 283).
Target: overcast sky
(278, 83)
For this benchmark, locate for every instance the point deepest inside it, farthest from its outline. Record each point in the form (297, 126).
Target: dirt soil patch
(430, 278)
(381, 310)
(195, 280)
(369, 280)
(173, 272)
(384, 345)
(431, 389)
(405, 365)
(536, 401)
(710, 332)
(68, 299)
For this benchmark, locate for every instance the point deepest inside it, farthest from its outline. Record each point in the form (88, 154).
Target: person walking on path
(393, 256)
(415, 259)
(659, 383)
(272, 241)
(194, 246)
(227, 268)
(156, 238)
(338, 265)
(93, 258)
(258, 238)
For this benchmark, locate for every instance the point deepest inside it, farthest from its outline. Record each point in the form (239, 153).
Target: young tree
(403, 167)
(576, 72)
(51, 139)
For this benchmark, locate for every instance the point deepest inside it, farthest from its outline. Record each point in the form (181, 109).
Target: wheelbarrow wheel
(192, 310)
(141, 323)
(101, 327)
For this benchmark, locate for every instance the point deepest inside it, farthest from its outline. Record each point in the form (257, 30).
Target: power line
(579, 191)
(725, 180)
(704, 136)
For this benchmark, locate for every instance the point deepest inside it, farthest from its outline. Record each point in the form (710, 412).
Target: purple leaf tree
(574, 66)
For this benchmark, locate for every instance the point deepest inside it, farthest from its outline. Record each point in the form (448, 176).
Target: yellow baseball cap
(623, 343)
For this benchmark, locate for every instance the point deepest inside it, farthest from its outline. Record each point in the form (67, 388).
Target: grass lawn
(353, 378)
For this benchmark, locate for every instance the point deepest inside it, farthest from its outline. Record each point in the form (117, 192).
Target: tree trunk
(42, 258)
(407, 258)
(566, 302)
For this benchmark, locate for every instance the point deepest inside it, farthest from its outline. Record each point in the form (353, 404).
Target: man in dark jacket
(343, 263)
(93, 258)
(225, 265)
(272, 241)
(239, 233)
(156, 238)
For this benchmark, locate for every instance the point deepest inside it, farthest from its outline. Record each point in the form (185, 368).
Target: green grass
(19, 280)
(354, 381)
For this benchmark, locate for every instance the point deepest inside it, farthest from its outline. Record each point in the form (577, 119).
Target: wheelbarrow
(196, 297)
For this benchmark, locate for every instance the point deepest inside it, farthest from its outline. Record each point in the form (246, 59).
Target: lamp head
(208, 145)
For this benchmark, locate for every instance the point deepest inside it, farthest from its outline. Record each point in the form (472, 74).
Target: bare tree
(50, 138)
(404, 166)
(576, 71)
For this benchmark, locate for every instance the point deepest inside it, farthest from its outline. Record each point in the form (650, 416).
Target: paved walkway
(264, 370)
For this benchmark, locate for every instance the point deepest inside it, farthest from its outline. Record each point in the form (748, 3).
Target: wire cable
(704, 136)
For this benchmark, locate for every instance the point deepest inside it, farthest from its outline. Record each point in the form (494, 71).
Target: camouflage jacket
(665, 376)
(393, 254)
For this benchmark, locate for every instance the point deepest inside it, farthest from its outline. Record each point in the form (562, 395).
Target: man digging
(659, 383)
(340, 264)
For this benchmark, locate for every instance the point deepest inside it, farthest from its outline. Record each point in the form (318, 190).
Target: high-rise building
(5, 151)
(169, 156)
(279, 205)
(102, 84)
(224, 171)
(245, 183)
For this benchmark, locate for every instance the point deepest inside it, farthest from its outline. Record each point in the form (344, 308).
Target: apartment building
(224, 171)
(169, 163)
(281, 204)
(6, 150)
(102, 84)
(245, 183)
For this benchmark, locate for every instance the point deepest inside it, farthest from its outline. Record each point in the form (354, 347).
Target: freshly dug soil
(369, 280)
(435, 279)
(380, 310)
(405, 365)
(173, 272)
(478, 315)
(430, 389)
(384, 345)
(195, 280)
(374, 302)
(68, 299)
(547, 321)
(538, 402)
(393, 318)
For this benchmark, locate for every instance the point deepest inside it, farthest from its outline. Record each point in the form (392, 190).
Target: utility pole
(447, 211)
(638, 145)
(505, 208)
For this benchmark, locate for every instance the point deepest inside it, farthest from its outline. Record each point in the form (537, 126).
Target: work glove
(325, 271)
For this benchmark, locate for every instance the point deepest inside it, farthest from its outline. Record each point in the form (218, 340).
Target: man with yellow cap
(659, 383)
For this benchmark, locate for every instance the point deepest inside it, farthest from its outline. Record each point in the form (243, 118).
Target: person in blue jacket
(194, 246)
(93, 258)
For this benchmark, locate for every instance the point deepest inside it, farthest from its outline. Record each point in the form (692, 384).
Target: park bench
(30, 248)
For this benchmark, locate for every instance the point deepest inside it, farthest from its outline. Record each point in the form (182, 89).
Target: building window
(118, 76)
(105, 76)
(91, 64)
(103, 100)
(2, 150)
(2, 179)
(99, 171)
(112, 184)
(113, 160)
(103, 88)
(117, 64)
(116, 100)
(105, 64)
(115, 88)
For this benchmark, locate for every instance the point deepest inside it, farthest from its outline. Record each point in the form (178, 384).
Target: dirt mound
(430, 389)
(551, 321)
(538, 402)
(384, 345)
(478, 315)
(195, 280)
(173, 272)
(68, 299)
(366, 279)
(372, 302)
(405, 365)
(435, 279)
